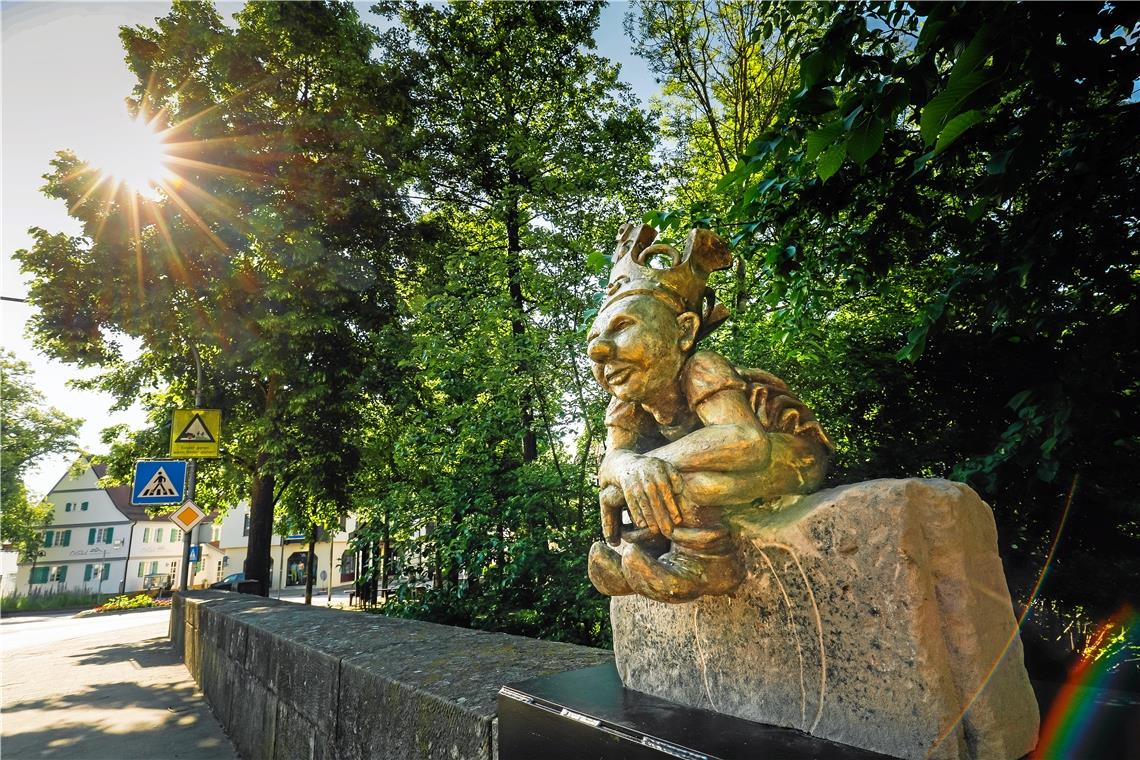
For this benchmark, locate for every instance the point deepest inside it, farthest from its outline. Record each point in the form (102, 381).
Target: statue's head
(657, 306)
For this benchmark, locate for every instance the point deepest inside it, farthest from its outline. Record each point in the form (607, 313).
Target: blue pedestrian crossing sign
(159, 481)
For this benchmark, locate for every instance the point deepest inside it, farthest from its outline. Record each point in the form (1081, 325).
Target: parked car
(230, 582)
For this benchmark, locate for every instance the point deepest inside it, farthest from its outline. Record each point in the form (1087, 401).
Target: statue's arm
(732, 460)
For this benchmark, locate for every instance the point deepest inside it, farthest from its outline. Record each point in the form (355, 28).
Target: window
(154, 567)
(173, 535)
(39, 575)
(58, 573)
(83, 507)
(100, 536)
(49, 538)
(146, 535)
(142, 569)
(216, 533)
(65, 538)
(67, 507)
(245, 525)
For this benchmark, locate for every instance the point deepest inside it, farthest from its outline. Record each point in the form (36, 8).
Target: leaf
(866, 140)
(815, 101)
(815, 66)
(597, 262)
(1018, 400)
(998, 162)
(821, 138)
(954, 129)
(947, 103)
(973, 57)
(831, 160)
(849, 120)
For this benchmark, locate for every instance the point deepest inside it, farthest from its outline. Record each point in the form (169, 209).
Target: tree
(946, 208)
(29, 431)
(531, 153)
(271, 257)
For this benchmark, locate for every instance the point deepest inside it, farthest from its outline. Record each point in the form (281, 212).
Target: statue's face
(638, 346)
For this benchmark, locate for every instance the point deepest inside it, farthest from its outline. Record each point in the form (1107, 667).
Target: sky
(62, 85)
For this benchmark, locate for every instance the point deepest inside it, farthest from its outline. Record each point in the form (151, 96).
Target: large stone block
(875, 614)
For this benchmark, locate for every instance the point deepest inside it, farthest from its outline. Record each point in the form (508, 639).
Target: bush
(136, 602)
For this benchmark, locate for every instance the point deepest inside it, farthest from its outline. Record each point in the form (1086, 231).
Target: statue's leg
(703, 561)
(605, 562)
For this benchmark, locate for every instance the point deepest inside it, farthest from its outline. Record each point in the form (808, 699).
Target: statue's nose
(599, 350)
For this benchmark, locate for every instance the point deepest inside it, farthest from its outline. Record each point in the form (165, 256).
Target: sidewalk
(102, 688)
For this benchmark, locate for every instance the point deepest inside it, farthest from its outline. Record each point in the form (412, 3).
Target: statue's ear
(689, 324)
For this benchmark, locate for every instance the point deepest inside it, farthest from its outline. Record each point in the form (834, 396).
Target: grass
(59, 600)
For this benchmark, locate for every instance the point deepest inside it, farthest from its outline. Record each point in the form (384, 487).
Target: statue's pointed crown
(678, 278)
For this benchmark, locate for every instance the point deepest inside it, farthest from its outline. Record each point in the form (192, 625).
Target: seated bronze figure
(688, 435)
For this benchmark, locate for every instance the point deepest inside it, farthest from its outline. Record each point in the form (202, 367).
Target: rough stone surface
(875, 614)
(289, 681)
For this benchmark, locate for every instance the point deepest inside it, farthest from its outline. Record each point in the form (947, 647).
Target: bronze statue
(687, 433)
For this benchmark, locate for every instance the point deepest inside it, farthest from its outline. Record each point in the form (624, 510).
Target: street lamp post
(191, 472)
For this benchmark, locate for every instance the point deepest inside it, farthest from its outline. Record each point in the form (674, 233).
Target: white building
(98, 542)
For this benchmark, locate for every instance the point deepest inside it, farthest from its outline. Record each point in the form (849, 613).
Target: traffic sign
(159, 481)
(195, 433)
(187, 516)
(195, 552)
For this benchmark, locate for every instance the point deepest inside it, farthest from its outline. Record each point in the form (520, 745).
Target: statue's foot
(682, 574)
(604, 568)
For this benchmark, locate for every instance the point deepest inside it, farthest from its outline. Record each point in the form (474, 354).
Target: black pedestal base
(588, 714)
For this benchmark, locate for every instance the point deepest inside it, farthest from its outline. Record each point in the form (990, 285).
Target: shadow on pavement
(117, 720)
(149, 653)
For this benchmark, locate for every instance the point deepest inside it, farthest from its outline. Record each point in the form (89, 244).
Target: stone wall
(293, 682)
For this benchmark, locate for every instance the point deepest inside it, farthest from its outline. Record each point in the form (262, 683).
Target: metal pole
(187, 538)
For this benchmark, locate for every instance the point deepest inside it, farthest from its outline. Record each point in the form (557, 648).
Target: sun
(133, 154)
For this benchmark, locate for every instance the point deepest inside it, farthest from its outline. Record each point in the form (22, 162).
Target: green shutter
(61, 576)
(39, 575)
(141, 569)
(67, 507)
(84, 507)
(173, 535)
(146, 535)
(107, 536)
(65, 538)
(91, 536)
(87, 572)
(49, 536)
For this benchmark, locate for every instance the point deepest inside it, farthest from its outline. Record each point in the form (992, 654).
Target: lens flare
(133, 154)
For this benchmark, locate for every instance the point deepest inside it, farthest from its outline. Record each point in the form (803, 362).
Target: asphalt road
(100, 688)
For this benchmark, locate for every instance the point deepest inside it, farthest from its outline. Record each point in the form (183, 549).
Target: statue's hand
(652, 490)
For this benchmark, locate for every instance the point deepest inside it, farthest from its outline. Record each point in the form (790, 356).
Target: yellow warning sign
(195, 433)
(187, 516)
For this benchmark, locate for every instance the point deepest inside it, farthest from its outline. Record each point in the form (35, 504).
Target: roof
(121, 498)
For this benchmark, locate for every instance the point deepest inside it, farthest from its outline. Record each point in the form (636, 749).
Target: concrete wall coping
(288, 680)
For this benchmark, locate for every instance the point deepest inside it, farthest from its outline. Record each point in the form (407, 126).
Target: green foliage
(272, 258)
(136, 602)
(940, 234)
(60, 600)
(29, 430)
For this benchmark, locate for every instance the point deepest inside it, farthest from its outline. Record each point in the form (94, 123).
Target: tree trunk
(385, 559)
(260, 529)
(518, 329)
(310, 562)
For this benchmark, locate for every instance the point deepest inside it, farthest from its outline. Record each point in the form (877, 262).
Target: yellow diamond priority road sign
(187, 516)
(195, 433)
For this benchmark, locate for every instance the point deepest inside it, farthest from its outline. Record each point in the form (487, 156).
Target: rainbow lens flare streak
(1068, 729)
